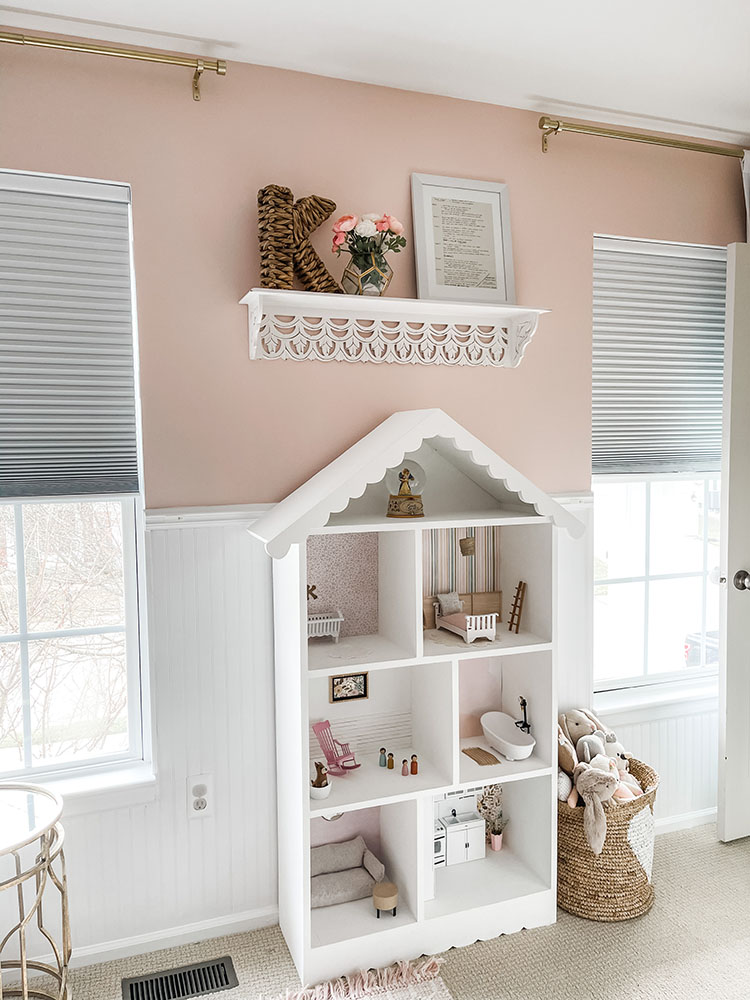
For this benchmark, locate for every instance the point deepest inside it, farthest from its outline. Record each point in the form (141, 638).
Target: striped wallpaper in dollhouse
(444, 569)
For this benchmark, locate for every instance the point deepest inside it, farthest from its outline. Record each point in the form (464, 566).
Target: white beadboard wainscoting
(147, 876)
(680, 740)
(144, 876)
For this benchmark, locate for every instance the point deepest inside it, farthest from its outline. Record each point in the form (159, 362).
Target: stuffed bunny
(629, 786)
(566, 753)
(579, 722)
(616, 751)
(594, 787)
(589, 746)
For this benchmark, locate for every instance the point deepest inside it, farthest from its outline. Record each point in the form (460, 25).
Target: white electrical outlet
(200, 795)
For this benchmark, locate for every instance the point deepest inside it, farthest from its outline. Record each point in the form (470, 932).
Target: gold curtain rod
(217, 66)
(552, 126)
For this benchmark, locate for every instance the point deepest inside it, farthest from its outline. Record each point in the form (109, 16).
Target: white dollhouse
(425, 686)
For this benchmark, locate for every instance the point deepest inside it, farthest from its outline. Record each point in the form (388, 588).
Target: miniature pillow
(450, 604)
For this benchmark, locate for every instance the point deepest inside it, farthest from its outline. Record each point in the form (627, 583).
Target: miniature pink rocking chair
(339, 757)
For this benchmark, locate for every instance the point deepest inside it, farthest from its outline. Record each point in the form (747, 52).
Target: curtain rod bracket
(197, 80)
(549, 127)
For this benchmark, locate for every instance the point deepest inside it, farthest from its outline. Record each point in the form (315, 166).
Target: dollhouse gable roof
(456, 453)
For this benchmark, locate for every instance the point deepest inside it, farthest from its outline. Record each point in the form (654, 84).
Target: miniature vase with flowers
(368, 239)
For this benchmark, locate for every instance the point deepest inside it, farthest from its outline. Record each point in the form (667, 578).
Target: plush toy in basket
(605, 822)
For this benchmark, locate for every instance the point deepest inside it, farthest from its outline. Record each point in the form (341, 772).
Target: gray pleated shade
(67, 368)
(658, 356)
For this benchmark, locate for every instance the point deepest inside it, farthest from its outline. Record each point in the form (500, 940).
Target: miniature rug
(483, 757)
(402, 981)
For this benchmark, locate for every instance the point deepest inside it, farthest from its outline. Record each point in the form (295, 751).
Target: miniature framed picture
(348, 687)
(462, 240)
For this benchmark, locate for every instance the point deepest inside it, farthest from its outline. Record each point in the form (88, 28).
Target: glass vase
(366, 274)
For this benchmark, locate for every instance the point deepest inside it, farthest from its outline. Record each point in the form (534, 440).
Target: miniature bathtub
(503, 734)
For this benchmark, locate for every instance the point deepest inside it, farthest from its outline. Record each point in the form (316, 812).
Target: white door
(734, 683)
(475, 841)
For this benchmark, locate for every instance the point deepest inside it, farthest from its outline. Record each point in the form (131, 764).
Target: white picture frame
(462, 240)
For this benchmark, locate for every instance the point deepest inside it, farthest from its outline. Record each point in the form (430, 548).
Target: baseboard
(171, 937)
(668, 824)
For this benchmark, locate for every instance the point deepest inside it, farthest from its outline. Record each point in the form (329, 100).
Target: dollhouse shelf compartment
(501, 877)
(374, 786)
(439, 644)
(347, 921)
(316, 326)
(506, 770)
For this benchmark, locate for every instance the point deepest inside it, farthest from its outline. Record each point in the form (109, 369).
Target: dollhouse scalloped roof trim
(308, 508)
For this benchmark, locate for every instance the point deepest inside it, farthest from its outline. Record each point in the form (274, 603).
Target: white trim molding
(163, 518)
(685, 821)
(172, 937)
(316, 326)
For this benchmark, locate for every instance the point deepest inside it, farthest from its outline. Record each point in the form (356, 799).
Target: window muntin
(69, 646)
(655, 608)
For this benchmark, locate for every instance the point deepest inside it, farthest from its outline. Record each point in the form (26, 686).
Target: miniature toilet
(502, 734)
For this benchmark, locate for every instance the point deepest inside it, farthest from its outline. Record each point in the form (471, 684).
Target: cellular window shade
(658, 356)
(67, 371)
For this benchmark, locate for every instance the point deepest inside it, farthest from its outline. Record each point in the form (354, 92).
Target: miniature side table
(385, 897)
(33, 864)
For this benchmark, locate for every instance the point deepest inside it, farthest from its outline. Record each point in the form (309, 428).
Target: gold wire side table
(32, 863)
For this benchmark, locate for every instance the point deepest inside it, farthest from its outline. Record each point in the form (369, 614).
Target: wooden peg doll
(390, 762)
(414, 764)
(382, 757)
(405, 767)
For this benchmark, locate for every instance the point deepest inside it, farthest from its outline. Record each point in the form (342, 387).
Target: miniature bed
(477, 618)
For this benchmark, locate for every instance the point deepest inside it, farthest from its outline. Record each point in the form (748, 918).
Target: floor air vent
(188, 981)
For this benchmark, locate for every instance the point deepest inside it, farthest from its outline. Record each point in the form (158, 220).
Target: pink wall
(478, 692)
(220, 429)
(359, 822)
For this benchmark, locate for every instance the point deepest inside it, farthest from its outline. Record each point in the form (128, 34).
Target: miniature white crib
(469, 627)
(324, 623)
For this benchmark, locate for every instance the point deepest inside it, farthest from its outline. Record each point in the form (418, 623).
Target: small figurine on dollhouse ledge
(320, 785)
(405, 484)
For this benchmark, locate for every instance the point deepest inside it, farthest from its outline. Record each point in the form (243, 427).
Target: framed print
(462, 240)
(348, 687)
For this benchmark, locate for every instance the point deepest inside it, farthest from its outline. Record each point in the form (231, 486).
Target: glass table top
(25, 813)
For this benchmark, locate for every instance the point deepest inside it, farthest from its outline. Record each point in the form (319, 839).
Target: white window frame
(689, 675)
(133, 629)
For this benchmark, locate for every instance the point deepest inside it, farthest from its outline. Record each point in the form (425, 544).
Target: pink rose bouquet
(368, 239)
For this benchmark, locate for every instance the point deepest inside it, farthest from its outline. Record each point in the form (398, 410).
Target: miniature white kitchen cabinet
(465, 839)
(419, 688)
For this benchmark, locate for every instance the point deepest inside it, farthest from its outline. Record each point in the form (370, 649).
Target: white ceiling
(672, 65)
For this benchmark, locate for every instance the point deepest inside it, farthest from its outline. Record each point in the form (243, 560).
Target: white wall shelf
(316, 326)
(427, 692)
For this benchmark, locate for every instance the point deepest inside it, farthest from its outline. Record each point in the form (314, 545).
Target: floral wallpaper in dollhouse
(343, 569)
(445, 569)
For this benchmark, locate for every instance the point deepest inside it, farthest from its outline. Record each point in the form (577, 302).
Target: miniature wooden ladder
(514, 622)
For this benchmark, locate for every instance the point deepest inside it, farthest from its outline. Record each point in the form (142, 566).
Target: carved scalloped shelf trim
(311, 326)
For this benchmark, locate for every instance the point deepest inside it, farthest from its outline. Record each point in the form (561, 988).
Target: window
(658, 353)
(69, 670)
(656, 611)
(70, 665)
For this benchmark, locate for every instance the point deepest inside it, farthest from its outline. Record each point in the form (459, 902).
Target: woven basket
(615, 885)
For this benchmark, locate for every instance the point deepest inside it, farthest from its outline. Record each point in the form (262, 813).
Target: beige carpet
(695, 943)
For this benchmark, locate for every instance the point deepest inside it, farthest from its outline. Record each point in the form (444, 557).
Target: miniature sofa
(340, 873)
